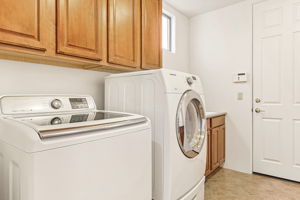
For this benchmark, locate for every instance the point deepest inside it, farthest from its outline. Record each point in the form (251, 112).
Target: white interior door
(277, 88)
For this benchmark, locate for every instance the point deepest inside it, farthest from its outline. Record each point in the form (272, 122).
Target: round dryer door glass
(190, 124)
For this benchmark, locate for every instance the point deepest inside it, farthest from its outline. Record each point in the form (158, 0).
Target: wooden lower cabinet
(215, 144)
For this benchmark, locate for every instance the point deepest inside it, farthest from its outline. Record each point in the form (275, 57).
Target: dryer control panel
(179, 82)
(17, 105)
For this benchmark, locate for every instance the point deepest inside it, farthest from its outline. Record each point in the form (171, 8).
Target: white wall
(221, 45)
(29, 78)
(213, 45)
(180, 59)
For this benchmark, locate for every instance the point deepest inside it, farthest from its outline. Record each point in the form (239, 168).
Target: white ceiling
(193, 7)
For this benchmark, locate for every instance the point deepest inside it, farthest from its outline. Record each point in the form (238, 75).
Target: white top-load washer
(61, 148)
(174, 102)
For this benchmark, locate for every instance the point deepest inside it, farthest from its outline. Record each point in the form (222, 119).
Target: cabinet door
(24, 23)
(151, 34)
(79, 28)
(208, 158)
(221, 144)
(124, 32)
(214, 148)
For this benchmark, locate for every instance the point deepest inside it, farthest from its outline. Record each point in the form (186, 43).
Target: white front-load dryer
(186, 146)
(174, 102)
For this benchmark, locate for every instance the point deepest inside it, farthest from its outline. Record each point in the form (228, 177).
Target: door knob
(257, 100)
(258, 110)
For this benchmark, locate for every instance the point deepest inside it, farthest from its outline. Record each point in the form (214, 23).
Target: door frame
(254, 2)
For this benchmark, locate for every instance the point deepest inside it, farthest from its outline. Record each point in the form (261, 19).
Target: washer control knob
(56, 121)
(56, 104)
(189, 80)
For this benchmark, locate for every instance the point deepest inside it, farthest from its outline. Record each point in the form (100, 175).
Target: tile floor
(231, 185)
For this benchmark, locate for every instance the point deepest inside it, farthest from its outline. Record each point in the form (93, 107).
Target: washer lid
(49, 126)
(191, 124)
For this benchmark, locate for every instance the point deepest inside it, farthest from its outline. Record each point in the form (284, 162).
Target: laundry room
(150, 100)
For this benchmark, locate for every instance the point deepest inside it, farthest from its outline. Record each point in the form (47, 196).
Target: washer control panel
(56, 104)
(11, 105)
(56, 121)
(79, 103)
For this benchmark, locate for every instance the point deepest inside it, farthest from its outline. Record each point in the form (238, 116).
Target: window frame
(171, 31)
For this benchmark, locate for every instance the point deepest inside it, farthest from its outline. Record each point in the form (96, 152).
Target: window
(168, 32)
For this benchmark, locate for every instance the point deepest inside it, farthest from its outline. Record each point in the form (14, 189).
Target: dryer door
(190, 124)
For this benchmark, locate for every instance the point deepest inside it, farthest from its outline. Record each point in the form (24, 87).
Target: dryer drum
(190, 124)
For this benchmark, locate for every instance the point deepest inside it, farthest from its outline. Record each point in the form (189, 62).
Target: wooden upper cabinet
(151, 34)
(113, 35)
(24, 23)
(124, 32)
(79, 28)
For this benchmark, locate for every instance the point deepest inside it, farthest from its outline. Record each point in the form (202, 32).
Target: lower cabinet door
(214, 148)
(208, 158)
(221, 144)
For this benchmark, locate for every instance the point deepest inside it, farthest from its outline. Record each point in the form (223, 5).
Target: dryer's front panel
(185, 143)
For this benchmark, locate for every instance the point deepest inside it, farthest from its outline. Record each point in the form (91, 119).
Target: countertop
(214, 114)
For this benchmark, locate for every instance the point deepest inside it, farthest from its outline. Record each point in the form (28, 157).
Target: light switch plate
(240, 96)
